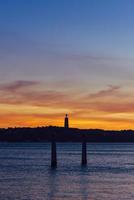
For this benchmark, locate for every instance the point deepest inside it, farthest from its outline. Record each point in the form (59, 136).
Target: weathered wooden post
(53, 153)
(84, 152)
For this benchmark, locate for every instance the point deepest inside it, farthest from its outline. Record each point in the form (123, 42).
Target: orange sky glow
(27, 104)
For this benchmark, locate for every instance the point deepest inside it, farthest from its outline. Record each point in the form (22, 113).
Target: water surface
(25, 172)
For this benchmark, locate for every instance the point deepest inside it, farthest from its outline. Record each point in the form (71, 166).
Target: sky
(67, 56)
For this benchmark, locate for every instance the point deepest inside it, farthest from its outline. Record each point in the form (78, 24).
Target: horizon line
(30, 127)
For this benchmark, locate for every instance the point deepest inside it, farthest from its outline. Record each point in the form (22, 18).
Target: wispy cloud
(17, 85)
(110, 91)
(25, 92)
(92, 57)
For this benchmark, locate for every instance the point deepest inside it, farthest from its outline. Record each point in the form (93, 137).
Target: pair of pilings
(54, 154)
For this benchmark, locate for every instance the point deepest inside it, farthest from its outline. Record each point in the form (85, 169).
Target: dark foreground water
(25, 172)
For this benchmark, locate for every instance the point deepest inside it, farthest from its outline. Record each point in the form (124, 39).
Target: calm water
(25, 172)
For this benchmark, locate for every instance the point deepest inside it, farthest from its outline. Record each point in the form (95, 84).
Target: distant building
(66, 122)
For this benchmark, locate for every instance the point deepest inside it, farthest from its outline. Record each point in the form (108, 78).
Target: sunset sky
(67, 56)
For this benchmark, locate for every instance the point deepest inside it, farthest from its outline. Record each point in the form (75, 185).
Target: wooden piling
(84, 153)
(53, 154)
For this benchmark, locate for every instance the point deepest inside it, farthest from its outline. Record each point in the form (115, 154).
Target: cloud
(91, 57)
(115, 107)
(25, 92)
(111, 90)
(17, 85)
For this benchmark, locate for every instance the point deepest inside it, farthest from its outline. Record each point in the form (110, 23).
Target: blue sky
(89, 24)
(64, 28)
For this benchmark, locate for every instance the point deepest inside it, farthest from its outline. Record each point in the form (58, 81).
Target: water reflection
(84, 184)
(52, 183)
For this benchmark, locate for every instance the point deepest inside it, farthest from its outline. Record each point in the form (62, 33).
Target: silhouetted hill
(46, 134)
